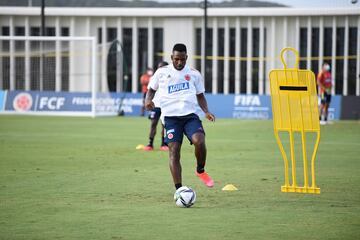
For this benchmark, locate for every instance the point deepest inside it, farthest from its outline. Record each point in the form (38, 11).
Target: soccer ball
(184, 197)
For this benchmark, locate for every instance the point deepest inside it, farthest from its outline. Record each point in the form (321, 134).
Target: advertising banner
(334, 108)
(111, 104)
(350, 107)
(240, 106)
(2, 100)
(72, 102)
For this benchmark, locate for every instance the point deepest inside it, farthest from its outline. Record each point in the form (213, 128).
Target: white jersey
(177, 90)
(156, 99)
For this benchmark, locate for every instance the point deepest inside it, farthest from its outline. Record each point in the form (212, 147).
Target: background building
(244, 42)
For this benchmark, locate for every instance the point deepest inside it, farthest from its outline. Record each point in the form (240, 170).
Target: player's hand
(149, 105)
(210, 116)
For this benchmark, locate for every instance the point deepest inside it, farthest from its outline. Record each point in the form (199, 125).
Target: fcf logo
(22, 102)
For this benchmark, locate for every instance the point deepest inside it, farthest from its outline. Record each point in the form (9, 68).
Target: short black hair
(180, 47)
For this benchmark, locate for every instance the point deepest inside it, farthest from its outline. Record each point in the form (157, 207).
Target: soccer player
(181, 90)
(154, 116)
(325, 85)
(144, 81)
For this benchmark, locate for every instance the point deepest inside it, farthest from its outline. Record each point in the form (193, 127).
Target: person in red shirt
(144, 81)
(325, 85)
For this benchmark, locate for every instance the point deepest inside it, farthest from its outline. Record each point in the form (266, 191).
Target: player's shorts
(155, 114)
(176, 127)
(325, 98)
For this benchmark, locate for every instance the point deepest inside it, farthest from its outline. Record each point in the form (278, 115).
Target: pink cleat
(164, 148)
(205, 178)
(148, 148)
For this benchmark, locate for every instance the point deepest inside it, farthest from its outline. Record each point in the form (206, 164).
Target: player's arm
(149, 104)
(152, 88)
(203, 105)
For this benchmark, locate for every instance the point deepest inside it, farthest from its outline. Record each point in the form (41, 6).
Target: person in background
(144, 81)
(325, 85)
(154, 116)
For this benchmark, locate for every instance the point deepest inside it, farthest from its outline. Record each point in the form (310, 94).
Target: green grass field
(81, 178)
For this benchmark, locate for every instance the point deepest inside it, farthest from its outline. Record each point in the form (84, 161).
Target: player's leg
(196, 135)
(198, 139)
(163, 146)
(320, 111)
(154, 116)
(153, 126)
(173, 137)
(322, 108)
(152, 134)
(322, 102)
(143, 105)
(174, 163)
(154, 120)
(326, 106)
